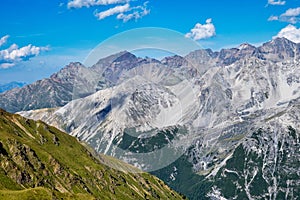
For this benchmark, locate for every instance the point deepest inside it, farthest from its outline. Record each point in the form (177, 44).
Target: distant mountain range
(227, 120)
(40, 162)
(59, 88)
(9, 86)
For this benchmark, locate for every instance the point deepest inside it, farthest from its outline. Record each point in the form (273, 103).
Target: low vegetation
(40, 162)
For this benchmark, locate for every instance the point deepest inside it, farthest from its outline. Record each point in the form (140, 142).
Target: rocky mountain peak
(173, 61)
(121, 59)
(279, 49)
(117, 57)
(125, 55)
(69, 71)
(245, 46)
(281, 40)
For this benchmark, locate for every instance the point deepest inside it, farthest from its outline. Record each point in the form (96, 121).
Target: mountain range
(9, 86)
(59, 88)
(227, 120)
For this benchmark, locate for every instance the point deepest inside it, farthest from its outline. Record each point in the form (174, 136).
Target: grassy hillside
(40, 162)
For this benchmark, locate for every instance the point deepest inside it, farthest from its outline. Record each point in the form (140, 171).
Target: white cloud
(276, 2)
(290, 32)
(90, 3)
(112, 11)
(125, 12)
(6, 65)
(3, 40)
(202, 31)
(12, 55)
(291, 15)
(292, 12)
(138, 12)
(273, 18)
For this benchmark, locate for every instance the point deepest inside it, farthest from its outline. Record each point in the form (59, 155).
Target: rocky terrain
(40, 162)
(47, 93)
(202, 111)
(263, 164)
(71, 82)
(76, 81)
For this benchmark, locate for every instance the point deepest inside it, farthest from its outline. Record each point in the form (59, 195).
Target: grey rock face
(47, 93)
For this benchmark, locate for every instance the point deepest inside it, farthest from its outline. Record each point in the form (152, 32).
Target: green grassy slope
(40, 162)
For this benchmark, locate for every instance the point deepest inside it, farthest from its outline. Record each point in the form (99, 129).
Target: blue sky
(50, 34)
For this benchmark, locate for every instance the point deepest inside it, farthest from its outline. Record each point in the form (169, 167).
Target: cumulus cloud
(137, 13)
(112, 11)
(290, 32)
(90, 3)
(273, 18)
(202, 31)
(14, 54)
(292, 12)
(274, 2)
(3, 40)
(291, 15)
(122, 8)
